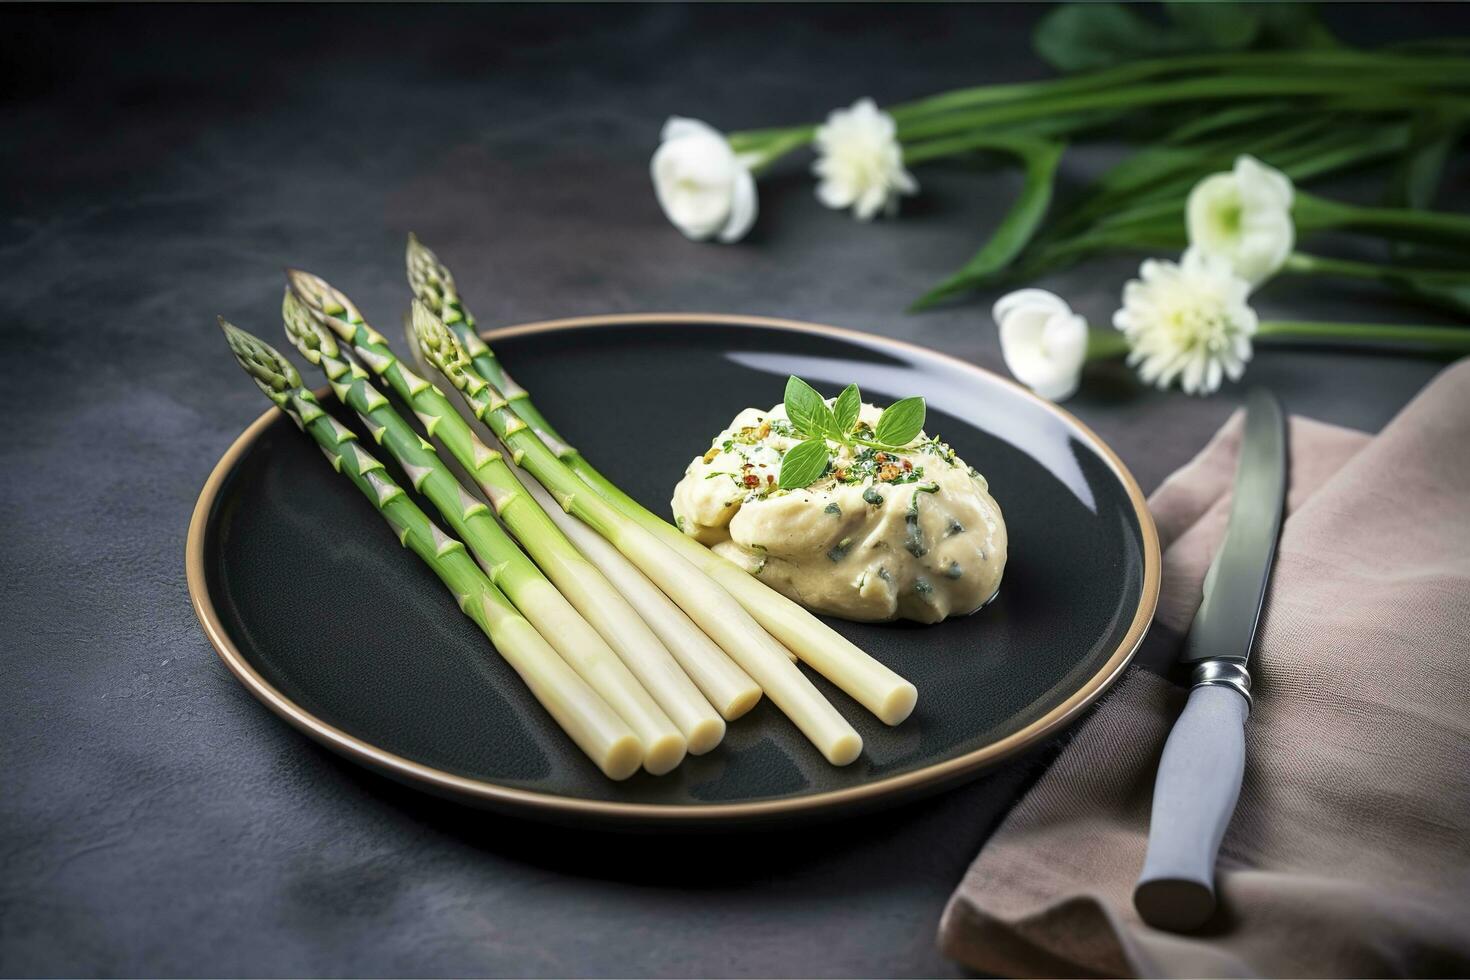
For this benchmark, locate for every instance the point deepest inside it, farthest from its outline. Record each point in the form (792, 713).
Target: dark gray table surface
(159, 166)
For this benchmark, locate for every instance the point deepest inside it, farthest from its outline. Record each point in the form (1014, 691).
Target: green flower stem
(1448, 340)
(762, 150)
(1364, 77)
(1189, 90)
(1316, 265)
(830, 653)
(1313, 213)
(1104, 345)
(580, 711)
(1263, 62)
(965, 143)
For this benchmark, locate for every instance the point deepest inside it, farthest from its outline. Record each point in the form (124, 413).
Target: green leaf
(1085, 36)
(807, 410)
(1432, 135)
(803, 464)
(1016, 229)
(1223, 26)
(1293, 25)
(901, 422)
(846, 408)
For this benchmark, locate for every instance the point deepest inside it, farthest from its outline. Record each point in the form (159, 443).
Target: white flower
(705, 189)
(1188, 320)
(1043, 342)
(860, 162)
(1245, 217)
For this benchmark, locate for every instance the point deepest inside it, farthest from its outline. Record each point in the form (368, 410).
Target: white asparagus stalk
(711, 607)
(584, 715)
(729, 625)
(728, 688)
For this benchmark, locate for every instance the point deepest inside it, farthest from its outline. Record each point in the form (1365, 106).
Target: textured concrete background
(159, 166)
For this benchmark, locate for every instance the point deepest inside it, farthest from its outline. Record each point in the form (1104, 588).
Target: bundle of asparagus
(640, 642)
(597, 730)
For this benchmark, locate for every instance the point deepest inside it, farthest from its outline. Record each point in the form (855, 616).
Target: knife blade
(1236, 583)
(1200, 771)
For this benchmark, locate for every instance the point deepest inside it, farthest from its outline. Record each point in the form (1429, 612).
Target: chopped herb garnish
(832, 509)
(839, 551)
(762, 556)
(914, 540)
(955, 527)
(927, 488)
(873, 497)
(922, 586)
(954, 570)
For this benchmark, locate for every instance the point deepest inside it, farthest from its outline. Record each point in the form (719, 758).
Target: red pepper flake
(907, 465)
(751, 480)
(770, 479)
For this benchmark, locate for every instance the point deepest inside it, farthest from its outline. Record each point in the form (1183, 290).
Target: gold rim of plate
(509, 798)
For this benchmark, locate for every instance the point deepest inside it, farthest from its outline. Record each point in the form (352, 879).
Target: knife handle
(1194, 797)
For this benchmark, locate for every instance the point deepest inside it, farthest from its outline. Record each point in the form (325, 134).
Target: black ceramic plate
(309, 600)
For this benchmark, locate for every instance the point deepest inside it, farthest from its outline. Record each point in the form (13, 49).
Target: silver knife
(1204, 758)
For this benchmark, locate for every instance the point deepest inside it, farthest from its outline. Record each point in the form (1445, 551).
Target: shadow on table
(954, 824)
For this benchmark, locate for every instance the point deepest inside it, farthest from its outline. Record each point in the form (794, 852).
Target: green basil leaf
(803, 464)
(901, 422)
(807, 410)
(845, 409)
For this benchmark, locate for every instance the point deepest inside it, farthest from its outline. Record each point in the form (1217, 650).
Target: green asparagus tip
(427, 276)
(319, 295)
(439, 345)
(270, 370)
(304, 331)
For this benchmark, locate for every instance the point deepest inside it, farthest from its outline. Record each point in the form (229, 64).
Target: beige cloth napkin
(1349, 853)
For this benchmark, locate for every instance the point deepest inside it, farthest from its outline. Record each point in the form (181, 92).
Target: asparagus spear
(591, 723)
(869, 682)
(508, 567)
(726, 622)
(579, 581)
(728, 688)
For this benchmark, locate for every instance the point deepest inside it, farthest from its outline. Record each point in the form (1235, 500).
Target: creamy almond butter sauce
(910, 535)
